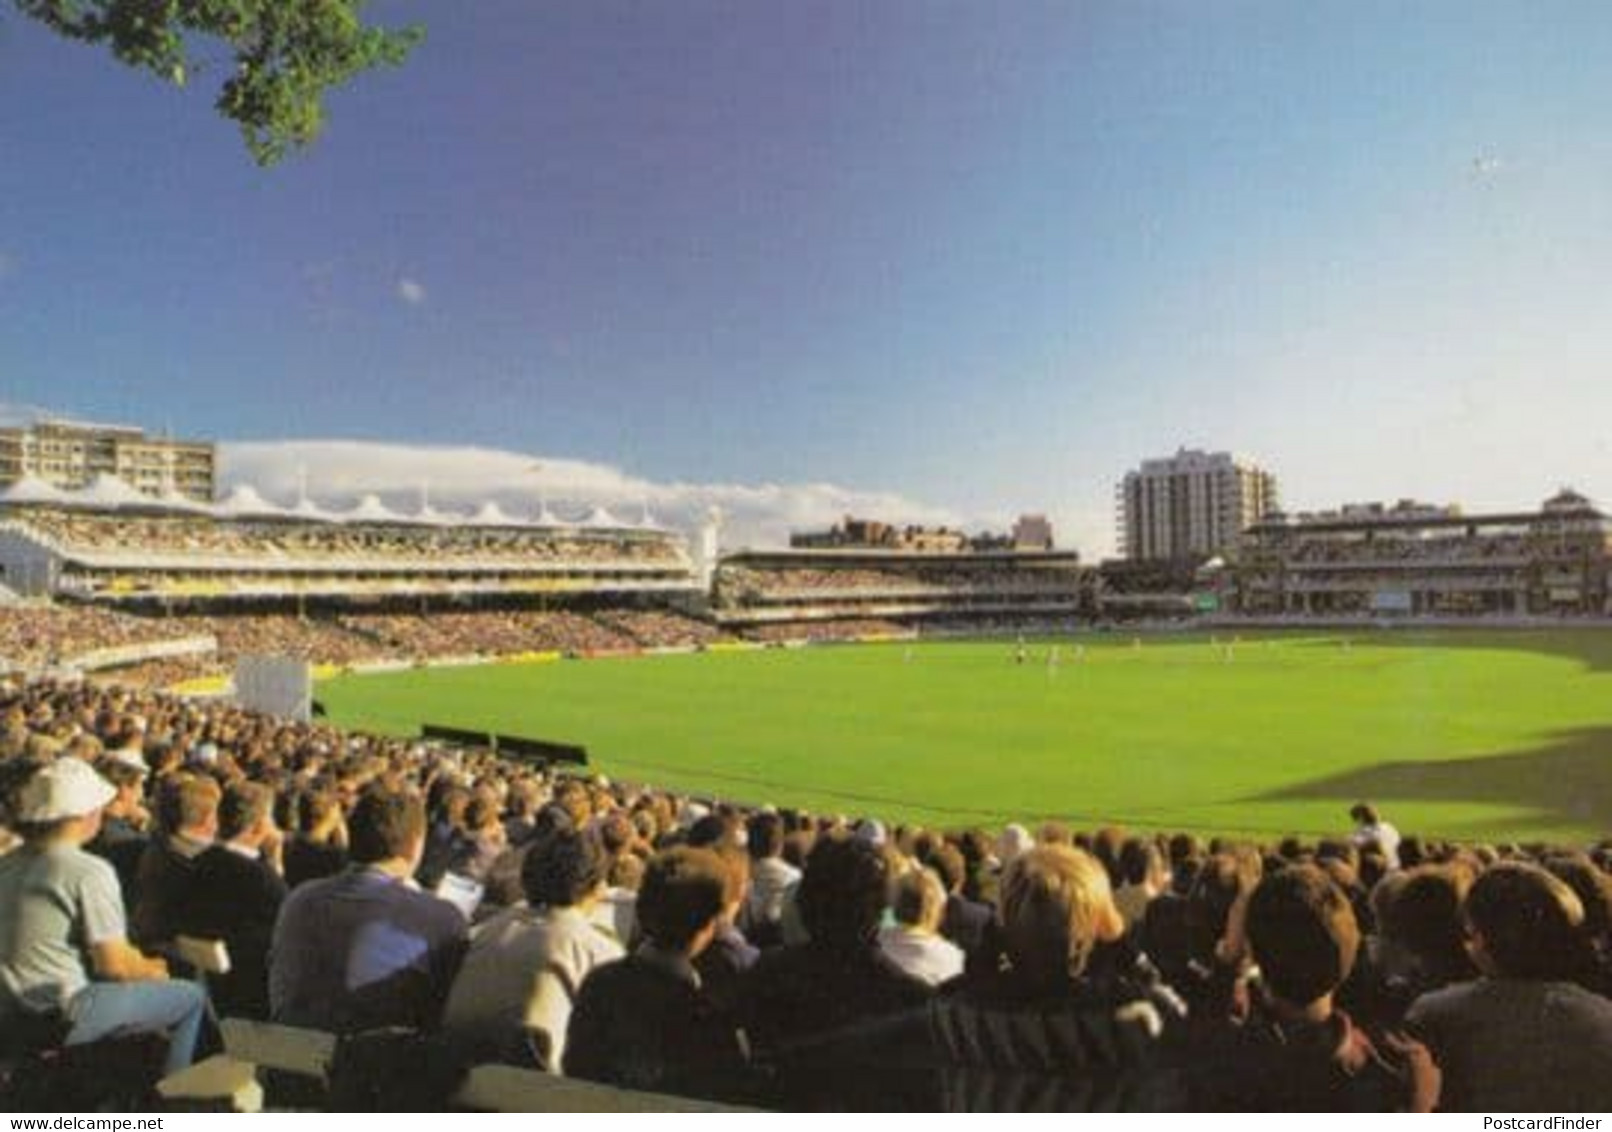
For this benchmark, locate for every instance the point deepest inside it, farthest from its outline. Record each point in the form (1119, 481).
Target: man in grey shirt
(64, 946)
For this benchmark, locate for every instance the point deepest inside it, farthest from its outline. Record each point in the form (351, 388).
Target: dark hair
(681, 894)
(384, 824)
(1593, 889)
(1530, 922)
(1138, 858)
(1364, 812)
(1303, 933)
(1422, 914)
(562, 868)
(1214, 891)
(119, 774)
(244, 805)
(766, 836)
(843, 893)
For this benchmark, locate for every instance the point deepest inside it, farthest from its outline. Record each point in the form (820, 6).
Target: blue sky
(950, 260)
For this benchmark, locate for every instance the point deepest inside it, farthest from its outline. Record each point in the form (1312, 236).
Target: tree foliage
(286, 53)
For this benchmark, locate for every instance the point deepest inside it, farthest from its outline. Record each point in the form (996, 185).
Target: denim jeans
(170, 1006)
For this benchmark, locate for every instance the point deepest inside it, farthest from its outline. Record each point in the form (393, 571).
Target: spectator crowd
(478, 910)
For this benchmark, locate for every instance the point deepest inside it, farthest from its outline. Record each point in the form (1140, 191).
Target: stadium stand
(1415, 560)
(814, 594)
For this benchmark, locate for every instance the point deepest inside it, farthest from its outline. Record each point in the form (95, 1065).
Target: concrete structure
(71, 456)
(1032, 532)
(1191, 505)
(1414, 560)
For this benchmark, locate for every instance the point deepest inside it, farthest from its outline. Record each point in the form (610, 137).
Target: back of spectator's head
(1303, 933)
(626, 872)
(384, 825)
(1364, 813)
(710, 831)
(950, 866)
(244, 806)
(1054, 832)
(1209, 902)
(681, 896)
(1526, 923)
(919, 899)
(736, 873)
(1593, 889)
(766, 835)
(1056, 906)
(843, 892)
(1139, 861)
(563, 868)
(1420, 911)
(188, 802)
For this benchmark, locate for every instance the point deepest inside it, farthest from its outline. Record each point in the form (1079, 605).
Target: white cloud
(461, 478)
(411, 291)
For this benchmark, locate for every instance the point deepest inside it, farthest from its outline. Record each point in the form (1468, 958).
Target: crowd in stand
(649, 940)
(1441, 548)
(33, 635)
(204, 536)
(841, 629)
(741, 585)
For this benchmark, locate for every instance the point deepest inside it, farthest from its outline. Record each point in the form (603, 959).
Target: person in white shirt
(511, 1000)
(1370, 829)
(914, 942)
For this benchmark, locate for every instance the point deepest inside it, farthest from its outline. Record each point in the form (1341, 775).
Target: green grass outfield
(1466, 734)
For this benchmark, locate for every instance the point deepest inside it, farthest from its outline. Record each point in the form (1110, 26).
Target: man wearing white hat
(64, 946)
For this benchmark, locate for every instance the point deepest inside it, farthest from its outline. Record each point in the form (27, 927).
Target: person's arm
(119, 961)
(112, 956)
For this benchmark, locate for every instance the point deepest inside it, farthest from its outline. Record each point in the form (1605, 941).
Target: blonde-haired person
(914, 942)
(1043, 1029)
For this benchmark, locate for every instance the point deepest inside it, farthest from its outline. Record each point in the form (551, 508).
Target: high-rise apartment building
(69, 455)
(1190, 505)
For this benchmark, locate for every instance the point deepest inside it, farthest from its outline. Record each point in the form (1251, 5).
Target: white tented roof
(428, 515)
(547, 518)
(370, 509)
(32, 489)
(106, 490)
(489, 514)
(306, 508)
(602, 519)
(243, 501)
(171, 500)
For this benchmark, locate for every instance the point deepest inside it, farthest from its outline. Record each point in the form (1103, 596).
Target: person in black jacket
(645, 1022)
(816, 1013)
(234, 895)
(1040, 1031)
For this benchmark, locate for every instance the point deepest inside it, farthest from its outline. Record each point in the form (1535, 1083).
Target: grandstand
(1415, 560)
(110, 544)
(815, 594)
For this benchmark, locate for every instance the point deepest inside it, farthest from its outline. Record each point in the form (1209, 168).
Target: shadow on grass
(1590, 646)
(1566, 781)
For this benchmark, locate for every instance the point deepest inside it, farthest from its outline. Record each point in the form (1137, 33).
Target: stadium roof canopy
(306, 508)
(171, 500)
(32, 489)
(106, 490)
(489, 514)
(245, 501)
(370, 509)
(429, 516)
(599, 518)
